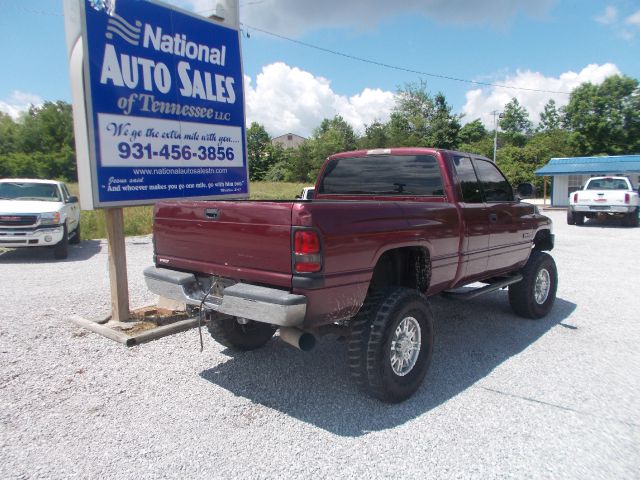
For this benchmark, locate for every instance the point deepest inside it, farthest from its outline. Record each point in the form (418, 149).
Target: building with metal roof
(569, 174)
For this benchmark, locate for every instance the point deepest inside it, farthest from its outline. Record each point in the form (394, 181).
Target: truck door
(475, 214)
(510, 235)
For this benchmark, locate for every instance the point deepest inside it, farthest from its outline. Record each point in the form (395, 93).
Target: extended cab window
(383, 175)
(468, 180)
(496, 188)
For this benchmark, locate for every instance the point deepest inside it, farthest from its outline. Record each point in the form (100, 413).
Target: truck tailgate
(243, 240)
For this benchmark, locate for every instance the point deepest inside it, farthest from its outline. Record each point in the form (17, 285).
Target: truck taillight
(307, 256)
(575, 198)
(627, 198)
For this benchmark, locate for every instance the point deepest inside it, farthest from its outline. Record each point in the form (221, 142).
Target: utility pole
(496, 114)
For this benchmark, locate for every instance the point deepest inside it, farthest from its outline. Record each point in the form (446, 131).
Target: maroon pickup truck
(385, 230)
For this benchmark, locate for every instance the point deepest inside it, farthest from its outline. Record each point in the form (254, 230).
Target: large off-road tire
(61, 249)
(75, 239)
(570, 219)
(391, 344)
(578, 218)
(229, 332)
(534, 295)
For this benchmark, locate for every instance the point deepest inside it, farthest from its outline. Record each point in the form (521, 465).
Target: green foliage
(261, 154)
(472, 132)
(482, 147)
(605, 118)
(375, 136)
(550, 117)
(520, 163)
(8, 130)
(40, 144)
(418, 120)
(515, 119)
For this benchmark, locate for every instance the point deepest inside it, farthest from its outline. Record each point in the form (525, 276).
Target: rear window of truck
(410, 175)
(607, 184)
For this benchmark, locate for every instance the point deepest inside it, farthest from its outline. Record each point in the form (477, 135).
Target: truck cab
(38, 213)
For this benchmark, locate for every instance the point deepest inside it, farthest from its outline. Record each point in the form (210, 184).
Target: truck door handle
(212, 213)
(493, 218)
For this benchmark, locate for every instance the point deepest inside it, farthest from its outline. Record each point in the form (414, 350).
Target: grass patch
(139, 220)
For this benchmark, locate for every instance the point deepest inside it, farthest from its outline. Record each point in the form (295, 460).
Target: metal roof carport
(561, 168)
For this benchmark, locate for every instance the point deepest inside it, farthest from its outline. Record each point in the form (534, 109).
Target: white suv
(36, 213)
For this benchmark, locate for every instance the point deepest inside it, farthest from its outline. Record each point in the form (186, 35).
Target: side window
(468, 180)
(496, 188)
(65, 192)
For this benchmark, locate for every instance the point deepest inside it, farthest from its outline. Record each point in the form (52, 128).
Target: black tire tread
(75, 239)
(61, 249)
(520, 294)
(367, 339)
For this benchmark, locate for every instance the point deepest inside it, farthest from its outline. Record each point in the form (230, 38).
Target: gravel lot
(505, 397)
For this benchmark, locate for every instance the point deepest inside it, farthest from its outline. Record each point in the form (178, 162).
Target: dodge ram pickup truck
(385, 230)
(611, 196)
(37, 213)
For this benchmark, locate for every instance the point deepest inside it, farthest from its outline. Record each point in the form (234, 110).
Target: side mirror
(72, 199)
(526, 190)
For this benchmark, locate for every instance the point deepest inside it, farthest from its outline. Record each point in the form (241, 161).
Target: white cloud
(609, 17)
(296, 16)
(624, 27)
(19, 102)
(634, 19)
(287, 99)
(481, 102)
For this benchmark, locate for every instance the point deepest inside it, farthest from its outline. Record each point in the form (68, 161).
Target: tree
(8, 130)
(472, 132)
(605, 118)
(419, 120)
(411, 117)
(48, 128)
(258, 143)
(375, 136)
(550, 118)
(445, 127)
(40, 144)
(515, 119)
(339, 127)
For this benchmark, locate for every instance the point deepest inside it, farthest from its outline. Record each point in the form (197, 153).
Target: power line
(395, 67)
(351, 57)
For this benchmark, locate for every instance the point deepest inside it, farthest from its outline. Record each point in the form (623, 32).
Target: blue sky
(537, 44)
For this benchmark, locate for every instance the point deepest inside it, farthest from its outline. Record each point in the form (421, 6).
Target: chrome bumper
(262, 304)
(603, 208)
(13, 238)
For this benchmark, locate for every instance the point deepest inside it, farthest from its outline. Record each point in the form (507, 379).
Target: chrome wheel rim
(542, 286)
(405, 346)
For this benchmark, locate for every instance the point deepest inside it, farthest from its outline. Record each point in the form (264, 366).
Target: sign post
(159, 112)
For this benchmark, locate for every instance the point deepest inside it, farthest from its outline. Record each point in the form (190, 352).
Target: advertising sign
(164, 104)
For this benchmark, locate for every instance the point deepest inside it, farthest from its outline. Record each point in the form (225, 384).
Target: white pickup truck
(36, 213)
(604, 196)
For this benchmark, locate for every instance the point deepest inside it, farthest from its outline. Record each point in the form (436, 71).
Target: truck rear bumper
(603, 208)
(262, 304)
(14, 238)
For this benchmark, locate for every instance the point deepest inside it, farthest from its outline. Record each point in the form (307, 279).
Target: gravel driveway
(505, 397)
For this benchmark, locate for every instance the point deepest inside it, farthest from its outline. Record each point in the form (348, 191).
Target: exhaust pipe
(297, 338)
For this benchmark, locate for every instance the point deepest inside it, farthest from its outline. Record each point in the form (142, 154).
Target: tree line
(598, 120)
(40, 144)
